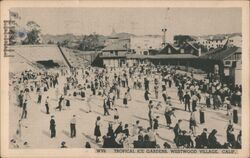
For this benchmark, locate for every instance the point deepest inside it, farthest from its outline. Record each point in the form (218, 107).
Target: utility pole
(164, 30)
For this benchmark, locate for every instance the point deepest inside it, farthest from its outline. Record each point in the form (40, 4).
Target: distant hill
(221, 35)
(124, 35)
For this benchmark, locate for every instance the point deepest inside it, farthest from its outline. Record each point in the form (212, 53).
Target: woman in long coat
(97, 132)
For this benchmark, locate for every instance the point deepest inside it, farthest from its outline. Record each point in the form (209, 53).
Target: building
(212, 42)
(115, 54)
(235, 40)
(228, 59)
(143, 44)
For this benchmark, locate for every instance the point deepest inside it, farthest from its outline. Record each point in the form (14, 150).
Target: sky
(139, 21)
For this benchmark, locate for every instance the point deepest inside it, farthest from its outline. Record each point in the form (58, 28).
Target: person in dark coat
(156, 125)
(60, 103)
(180, 94)
(138, 143)
(125, 100)
(177, 132)
(52, 127)
(147, 143)
(106, 106)
(126, 131)
(212, 140)
(187, 101)
(119, 129)
(203, 138)
(201, 141)
(150, 117)
(168, 113)
(230, 136)
(110, 133)
(97, 131)
(24, 113)
(20, 99)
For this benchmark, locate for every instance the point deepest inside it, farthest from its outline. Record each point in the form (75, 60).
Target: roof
(112, 56)
(30, 54)
(38, 52)
(192, 45)
(174, 56)
(159, 56)
(116, 46)
(136, 56)
(168, 44)
(220, 54)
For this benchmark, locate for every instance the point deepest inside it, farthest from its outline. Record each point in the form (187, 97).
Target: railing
(65, 58)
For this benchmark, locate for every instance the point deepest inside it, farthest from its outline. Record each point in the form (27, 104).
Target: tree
(33, 35)
(65, 43)
(89, 43)
(13, 32)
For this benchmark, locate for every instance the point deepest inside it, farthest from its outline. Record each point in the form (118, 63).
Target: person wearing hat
(52, 127)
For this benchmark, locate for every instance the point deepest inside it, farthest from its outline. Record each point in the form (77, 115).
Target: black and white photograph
(161, 79)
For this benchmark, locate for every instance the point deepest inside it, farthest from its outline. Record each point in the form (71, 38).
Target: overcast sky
(139, 21)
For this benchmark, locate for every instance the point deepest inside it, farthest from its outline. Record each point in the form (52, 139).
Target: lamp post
(164, 30)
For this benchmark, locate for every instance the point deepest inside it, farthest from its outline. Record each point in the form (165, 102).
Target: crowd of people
(113, 84)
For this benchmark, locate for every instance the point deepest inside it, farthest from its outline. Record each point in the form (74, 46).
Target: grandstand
(78, 58)
(35, 57)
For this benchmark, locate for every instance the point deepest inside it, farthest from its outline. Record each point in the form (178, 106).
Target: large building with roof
(229, 61)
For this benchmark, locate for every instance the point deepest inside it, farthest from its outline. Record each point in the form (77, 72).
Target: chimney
(164, 37)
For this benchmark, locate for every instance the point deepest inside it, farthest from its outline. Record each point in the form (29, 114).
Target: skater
(52, 127)
(88, 102)
(187, 101)
(60, 103)
(47, 105)
(168, 113)
(106, 106)
(192, 123)
(125, 100)
(24, 113)
(97, 132)
(73, 126)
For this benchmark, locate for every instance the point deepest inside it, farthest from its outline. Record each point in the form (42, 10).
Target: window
(182, 51)
(238, 56)
(169, 50)
(116, 53)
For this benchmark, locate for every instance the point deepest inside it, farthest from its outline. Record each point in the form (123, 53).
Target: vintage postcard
(124, 79)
